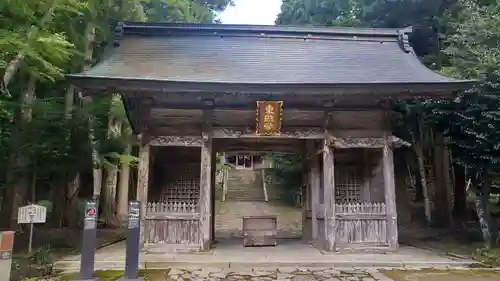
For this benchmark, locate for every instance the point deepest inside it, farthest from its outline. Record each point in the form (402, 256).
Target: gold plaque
(269, 117)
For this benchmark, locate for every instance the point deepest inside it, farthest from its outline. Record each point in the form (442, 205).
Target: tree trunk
(68, 213)
(442, 188)
(73, 186)
(460, 195)
(402, 198)
(418, 147)
(224, 184)
(96, 161)
(483, 211)
(13, 65)
(17, 178)
(419, 194)
(33, 186)
(123, 187)
(264, 184)
(72, 211)
(96, 164)
(109, 208)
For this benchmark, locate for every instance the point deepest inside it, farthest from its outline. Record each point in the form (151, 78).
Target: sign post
(31, 214)
(89, 241)
(6, 244)
(133, 235)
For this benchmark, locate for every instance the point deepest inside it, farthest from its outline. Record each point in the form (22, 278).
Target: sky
(261, 12)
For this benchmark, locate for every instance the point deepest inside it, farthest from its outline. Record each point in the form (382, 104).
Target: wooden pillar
(329, 196)
(225, 176)
(390, 194)
(367, 176)
(305, 189)
(205, 181)
(314, 182)
(212, 196)
(143, 181)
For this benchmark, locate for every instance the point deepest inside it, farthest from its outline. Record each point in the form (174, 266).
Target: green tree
(473, 50)
(423, 15)
(45, 132)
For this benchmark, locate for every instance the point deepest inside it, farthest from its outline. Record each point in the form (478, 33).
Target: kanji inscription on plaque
(269, 117)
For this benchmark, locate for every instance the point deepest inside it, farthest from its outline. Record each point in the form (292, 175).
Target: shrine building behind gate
(191, 91)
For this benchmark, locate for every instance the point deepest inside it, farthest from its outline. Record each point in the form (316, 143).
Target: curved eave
(99, 84)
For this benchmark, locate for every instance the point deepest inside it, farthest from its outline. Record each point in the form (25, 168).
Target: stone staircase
(244, 185)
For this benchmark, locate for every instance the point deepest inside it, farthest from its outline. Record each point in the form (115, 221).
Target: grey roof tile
(253, 58)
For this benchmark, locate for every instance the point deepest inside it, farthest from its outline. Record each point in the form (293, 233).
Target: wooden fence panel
(172, 223)
(361, 225)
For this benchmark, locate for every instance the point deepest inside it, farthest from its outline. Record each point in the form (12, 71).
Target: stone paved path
(228, 218)
(280, 274)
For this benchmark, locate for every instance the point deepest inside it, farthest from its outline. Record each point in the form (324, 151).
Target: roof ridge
(157, 27)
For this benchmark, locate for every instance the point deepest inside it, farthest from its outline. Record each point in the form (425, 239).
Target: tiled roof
(233, 54)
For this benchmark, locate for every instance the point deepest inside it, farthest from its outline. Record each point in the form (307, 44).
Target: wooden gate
(172, 223)
(360, 225)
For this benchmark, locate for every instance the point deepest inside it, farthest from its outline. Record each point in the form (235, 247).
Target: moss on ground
(112, 275)
(443, 275)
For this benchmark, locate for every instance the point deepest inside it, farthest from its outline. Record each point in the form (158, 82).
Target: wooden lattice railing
(363, 208)
(361, 223)
(172, 223)
(163, 207)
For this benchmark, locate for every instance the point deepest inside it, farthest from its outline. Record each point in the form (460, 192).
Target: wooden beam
(180, 130)
(251, 148)
(366, 142)
(293, 133)
(251, 105)
(185, 141)
(143, 112)
(143, 182)
(197, 89)
(205, 181)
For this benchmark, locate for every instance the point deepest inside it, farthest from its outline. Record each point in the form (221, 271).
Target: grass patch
(489, 257)
(463, 247)
(443, 275)
(112, 275)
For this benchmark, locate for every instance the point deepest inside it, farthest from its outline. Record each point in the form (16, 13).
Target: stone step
(236, 196)
(166, 262)
(244, 185)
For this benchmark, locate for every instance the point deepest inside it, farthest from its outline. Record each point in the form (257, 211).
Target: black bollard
(89, 241)
(133, 235)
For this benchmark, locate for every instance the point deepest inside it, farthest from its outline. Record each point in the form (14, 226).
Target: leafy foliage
(43, 135)
(457, 37)
(474, 53)
(287, 173)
